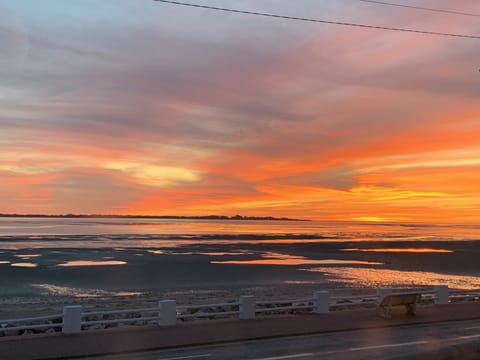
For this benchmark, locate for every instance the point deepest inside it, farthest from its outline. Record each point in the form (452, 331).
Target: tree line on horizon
(203, 217)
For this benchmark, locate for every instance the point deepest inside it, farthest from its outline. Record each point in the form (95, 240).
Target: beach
(44, 268)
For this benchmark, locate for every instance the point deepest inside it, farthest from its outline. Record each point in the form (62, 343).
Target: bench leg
(411, 308)
(384, 312)
(388, 312)
(381, 311)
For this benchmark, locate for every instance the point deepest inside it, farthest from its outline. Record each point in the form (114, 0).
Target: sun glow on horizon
(371, 219)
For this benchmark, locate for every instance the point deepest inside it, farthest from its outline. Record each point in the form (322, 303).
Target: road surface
(384, 343)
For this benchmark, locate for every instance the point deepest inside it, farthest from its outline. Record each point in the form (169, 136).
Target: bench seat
(409, 300)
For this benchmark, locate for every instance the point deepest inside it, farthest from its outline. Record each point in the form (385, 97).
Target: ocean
(48, 261)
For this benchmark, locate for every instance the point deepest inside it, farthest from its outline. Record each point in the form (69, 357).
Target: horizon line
(217, 217)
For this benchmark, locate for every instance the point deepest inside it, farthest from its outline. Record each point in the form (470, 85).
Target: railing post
(321, 302)
(441, 294)
(167, 312)
(72, 319)
(381, 293)
(247, 307)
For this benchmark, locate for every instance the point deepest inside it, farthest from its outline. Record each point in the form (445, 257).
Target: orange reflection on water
(401, 250)
(370, 277)
(81, 292)
(284, 259)
(224, 253)
(92, 263)
(27, 256)
(24, 264)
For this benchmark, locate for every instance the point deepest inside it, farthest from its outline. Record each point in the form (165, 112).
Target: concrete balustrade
(247, 307)
(72, 319)
(321, 302)
(167, 312)
(441, 294)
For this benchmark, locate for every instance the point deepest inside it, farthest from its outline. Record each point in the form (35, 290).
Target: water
(48, 260)
(338, 230)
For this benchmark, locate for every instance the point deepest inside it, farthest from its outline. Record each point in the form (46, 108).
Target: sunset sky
(140, 107)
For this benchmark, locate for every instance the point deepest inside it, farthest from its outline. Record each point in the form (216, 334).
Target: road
(383, 343)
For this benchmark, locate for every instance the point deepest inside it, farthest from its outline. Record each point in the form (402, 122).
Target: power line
(422, 8)
(318, 20)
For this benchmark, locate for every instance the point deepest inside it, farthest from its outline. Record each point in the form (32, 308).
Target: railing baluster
(72, 319)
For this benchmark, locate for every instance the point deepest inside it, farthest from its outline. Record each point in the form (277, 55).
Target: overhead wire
(421, 8)
(256, 13)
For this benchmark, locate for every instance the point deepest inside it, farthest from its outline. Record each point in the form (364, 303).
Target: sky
(141, 107)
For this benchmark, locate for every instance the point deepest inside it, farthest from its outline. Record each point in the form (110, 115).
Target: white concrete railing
(202, 311)
(464, 295)
(73, 320)
(31, 323)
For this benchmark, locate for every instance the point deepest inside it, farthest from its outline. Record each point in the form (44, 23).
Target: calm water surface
(52, 257)
(34, 228)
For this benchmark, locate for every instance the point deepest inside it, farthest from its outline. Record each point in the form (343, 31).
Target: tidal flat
(41, 274)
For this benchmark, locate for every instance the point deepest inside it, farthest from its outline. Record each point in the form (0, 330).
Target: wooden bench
(407, 299)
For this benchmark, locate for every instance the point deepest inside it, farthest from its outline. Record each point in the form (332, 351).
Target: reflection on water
(225, 253)
(4, 262)
(24, 264)
(36, 227)
(158, 252)
(157, 241)
(371, 277)
(49, 289)
(27, 256)
(300, 282)
(401, 250)
(285, 259)
(92, 263)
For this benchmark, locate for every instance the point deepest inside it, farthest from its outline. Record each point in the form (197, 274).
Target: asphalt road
(403, 342)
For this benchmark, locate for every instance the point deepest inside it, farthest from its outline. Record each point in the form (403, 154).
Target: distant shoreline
(174, 217)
